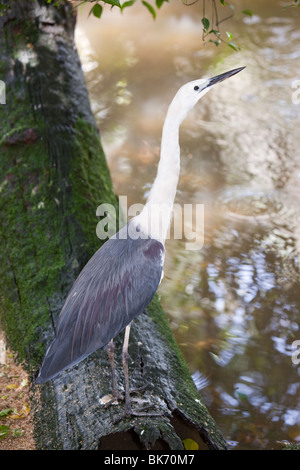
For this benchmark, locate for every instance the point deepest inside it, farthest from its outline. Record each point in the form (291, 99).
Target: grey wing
(113, 288)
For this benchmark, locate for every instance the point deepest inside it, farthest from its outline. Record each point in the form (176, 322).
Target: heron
(122, 277)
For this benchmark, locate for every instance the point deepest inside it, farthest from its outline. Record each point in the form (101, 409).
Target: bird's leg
(125, 369)
(125, 356)
(111, 357)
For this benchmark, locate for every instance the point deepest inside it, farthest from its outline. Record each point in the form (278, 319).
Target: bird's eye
(196, 88)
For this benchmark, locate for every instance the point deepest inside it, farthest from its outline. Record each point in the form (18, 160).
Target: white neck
(156, 216)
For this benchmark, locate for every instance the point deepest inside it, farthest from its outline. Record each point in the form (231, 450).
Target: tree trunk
(53, 176)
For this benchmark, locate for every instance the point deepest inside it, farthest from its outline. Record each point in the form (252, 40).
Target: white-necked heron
(122, 277)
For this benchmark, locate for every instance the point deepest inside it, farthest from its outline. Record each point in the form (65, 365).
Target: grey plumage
(113, 288)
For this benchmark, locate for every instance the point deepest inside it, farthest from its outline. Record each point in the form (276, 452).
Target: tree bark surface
(53, 176)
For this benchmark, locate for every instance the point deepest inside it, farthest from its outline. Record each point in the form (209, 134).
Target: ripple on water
(248, 203)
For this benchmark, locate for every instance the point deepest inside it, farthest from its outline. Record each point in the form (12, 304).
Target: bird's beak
(223, 76)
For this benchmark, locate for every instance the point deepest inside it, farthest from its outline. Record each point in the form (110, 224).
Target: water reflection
(233, 305)
(247, 319)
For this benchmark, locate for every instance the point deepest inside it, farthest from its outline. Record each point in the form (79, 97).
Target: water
(233, 305)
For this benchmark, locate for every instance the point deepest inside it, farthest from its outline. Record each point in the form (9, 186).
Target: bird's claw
(108, 400)
(129, 412)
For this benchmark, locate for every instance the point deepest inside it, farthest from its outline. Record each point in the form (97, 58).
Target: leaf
(223, 3)
(4, 431)
(6, 412)
(159, 3)
(24, 383)
(206, 23)
(229, 35)
(216, 42)
(114, 3)
(18, 432)
(127, 4)
(96, 10)
(11, 386)
(190, 444)
(24, 411)
(248, 12)
(233, 46)
(150, 8)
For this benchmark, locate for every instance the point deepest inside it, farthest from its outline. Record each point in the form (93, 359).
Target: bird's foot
(143, 409)
(115, 397)
(129, 412)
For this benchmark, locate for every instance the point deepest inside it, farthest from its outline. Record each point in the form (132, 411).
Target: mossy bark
(53, 176)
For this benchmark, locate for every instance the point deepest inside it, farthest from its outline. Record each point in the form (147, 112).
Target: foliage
(97, 9)
(4, 431)
(190, 444)
(210, 22)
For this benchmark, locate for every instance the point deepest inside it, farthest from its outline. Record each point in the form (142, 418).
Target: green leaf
(206, 23)
(159, 3)
(18, 432)
(190, 444)
(96, 10)
(114, 3)
(216, 42)
(223, 3)
(248, 12)
(4, 431)
(233, 46)
(229, 35)
(127, 4)
(150, 8)
(6, 412)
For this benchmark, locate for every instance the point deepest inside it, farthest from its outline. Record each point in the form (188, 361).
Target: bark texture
(53, 176)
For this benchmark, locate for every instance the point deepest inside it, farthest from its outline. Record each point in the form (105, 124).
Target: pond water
(234, 303)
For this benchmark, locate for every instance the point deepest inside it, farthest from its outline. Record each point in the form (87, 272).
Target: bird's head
(190, 93)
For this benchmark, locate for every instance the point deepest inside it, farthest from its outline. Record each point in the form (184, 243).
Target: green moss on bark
(91, 182)
(53, 175)
(42, 217)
